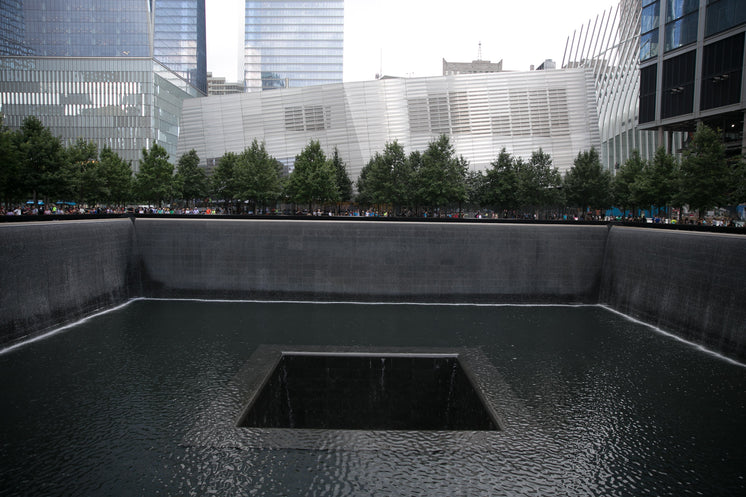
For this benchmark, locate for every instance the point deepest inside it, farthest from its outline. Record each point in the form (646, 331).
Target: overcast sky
(411, 37)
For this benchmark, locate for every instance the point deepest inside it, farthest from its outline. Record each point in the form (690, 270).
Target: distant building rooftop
(217, 85)
(473, 67)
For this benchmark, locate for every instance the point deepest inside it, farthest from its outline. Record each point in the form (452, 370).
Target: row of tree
(36, 165)
(703, 179)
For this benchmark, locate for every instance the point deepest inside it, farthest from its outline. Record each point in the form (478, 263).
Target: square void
(368, 392)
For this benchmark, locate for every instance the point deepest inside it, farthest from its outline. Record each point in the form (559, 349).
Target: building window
(682, 18)
(676, 9)
(649, 31)
(677, 92)
(722, 67)
(724, 14)
(649, 45)
(648, 86)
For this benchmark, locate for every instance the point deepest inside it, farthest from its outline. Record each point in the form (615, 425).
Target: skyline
(408, 49)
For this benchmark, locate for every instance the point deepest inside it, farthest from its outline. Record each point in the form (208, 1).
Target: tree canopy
(190, 182)
(154, 182)
(704, 175)
(587, 185)
(36, 165)
(258, 176)
(313, 179)
(441, 175)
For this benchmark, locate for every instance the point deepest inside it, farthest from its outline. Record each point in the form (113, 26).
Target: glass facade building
(293, 43)
(179, 41)
(698, 76)
(88, 69)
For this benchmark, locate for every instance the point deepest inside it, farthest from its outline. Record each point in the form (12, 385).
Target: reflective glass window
(679, 8)
(724, 14)
(650, 17)
(681, 32)
(649, 45)
(295, 43)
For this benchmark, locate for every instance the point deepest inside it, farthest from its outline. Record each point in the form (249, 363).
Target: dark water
(606, 406)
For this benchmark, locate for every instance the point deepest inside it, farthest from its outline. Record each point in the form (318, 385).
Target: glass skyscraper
(692, 68)
(110, 71)
(293, 43)
(179, 40)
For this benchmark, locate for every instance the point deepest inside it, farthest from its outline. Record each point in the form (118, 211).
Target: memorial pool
(594, 404)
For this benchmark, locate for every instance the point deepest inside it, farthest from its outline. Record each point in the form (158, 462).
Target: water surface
(601, 405)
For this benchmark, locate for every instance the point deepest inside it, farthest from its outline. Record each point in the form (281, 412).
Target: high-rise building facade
(110, 71)
(692, 67)
(179, 39)
(293, 43)
(609, 45)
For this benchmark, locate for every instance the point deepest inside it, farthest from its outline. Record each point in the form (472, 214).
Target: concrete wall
(691, 284)
(57, 272)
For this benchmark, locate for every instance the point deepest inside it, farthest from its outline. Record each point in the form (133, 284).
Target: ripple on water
(132, 403)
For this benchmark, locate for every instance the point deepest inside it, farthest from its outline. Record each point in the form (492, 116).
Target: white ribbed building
(482, 113)
(609, 46)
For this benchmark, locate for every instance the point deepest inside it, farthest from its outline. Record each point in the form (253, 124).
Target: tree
(539, 184)
(442, 176)
(704, 173)
(388, 178)
(414, 160)
(313, 179)
(587, 184)
(41, 159)
(116, 176)
(657, 184)
(624, 191)
(501, 183)
(11, 179)
(155, 180)
(475, 181)
(737, 193)
(374, 183)
(82, 181)
(344, 183)
(258, 176)
(223, 180)
(190, 182)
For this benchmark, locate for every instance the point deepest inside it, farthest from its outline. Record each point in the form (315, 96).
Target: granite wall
(55, 272)
(691, 284)
(390, 261)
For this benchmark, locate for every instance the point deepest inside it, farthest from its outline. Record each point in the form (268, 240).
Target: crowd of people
(30, 209)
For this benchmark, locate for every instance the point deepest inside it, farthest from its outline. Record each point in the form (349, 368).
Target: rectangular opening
(368, 392)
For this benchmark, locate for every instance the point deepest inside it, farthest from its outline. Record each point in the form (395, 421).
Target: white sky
(411, 37)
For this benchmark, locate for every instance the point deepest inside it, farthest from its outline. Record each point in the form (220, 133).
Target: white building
(521, 111)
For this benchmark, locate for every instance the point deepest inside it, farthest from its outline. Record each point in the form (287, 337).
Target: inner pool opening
(368, 392)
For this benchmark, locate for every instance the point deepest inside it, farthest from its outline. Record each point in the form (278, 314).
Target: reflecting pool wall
(690, 284)
(592, 404)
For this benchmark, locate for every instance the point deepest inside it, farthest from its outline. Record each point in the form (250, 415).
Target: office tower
(179, 41)
(691, 67)
(109, 71)
(293, 43)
